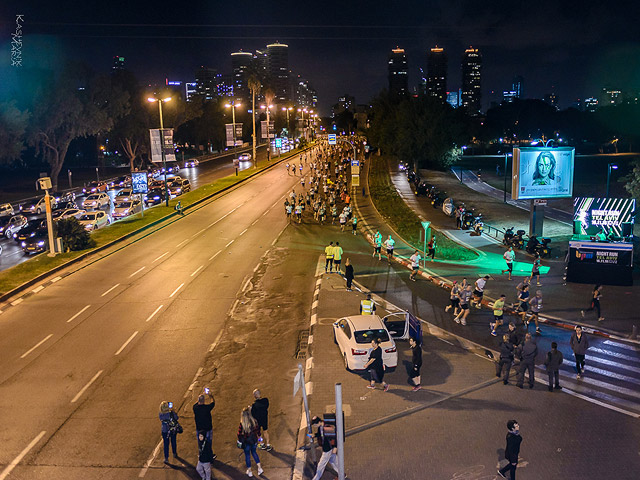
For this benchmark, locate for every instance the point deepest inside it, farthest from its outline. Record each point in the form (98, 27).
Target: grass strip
(15, 276)
(402, 218)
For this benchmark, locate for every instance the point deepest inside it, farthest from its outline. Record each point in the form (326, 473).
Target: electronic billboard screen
(605, 215)
(542, 172)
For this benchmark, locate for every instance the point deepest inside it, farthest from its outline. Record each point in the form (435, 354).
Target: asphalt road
(206, 172)
(85, 363)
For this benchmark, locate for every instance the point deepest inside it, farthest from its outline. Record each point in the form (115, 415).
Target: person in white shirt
(415, 265)
(509, 256)
(389, 244)
(479, 291)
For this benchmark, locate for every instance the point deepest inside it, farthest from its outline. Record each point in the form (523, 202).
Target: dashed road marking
(158, 258)
(227, 245)
(55, 279)
(137, 271)
(176, 290)
(197, 270)
(78, 314)
(124, 345)
(5, 473)
(17, 302)
(84, 389)
(243, 232)
(38, 289)
(182, 243)
(36, 345)
(154, 312)
(110, 290)
(215, 255)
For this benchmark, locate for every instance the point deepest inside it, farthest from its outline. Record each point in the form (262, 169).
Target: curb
(4, 304)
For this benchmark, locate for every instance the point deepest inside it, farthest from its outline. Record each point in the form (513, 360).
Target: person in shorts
(535, 271)
(454, 298)
(377, 242)
(465, 296)
(509, 256)
(498, 314)
(389, 244)
(523, 306)
(479, 291)
(415, 265)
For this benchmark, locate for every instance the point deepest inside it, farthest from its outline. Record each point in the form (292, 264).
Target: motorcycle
(543, 249)
(518, 241)
(448, 207)
(532, 244)
(467, 219)
(508, 237)
(438, 199)
(478, 224)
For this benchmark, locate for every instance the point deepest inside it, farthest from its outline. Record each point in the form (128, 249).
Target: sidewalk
(562, 303)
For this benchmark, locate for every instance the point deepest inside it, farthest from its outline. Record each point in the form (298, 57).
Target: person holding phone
(169, 419)
(202, 413)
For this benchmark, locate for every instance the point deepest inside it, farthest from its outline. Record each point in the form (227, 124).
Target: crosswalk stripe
(604, 396)
(604, 385)
(617, 376)
(617, 355)
(611, 363)
(622, 345)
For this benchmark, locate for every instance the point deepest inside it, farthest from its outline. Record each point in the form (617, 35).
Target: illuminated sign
(156, 150)
(542, 172)
(139, 182)
(332, 139)
(606, 215)
(278, 143)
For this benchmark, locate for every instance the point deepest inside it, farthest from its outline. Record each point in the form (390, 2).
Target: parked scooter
(518, 240)
(467, 219)
(478, 224)
(508, 237)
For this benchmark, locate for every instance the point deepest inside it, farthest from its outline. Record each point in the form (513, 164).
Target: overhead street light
(164, 161)
(233, 105)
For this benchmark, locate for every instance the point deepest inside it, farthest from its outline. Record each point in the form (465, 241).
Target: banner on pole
(229, 131)
(263, 129)
(156, 150)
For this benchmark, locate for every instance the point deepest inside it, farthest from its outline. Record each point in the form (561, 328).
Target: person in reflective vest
(367, 307)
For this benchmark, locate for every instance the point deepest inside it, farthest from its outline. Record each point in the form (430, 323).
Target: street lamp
(267, 108)
(288, 124)
(610, 166)
(233, 105)
(164, 161)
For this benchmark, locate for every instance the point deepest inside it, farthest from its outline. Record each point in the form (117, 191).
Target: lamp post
(267, 108)
(233, 106)
(610, 166)
(288, 124)
(164, 161)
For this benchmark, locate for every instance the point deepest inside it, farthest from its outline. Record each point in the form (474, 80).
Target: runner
(377, 242)
(465, 296)
(509, 256)
(289, 210)
(287, 165)
(454, 298)
(415, 265)
(354, 224)
(535, 270)
(389, 244)
(498, 314)
(334, 212)
(596, 295)
(343, 221)
(523, 298)
(432, 248)
(536, 305)
(298, 212)
(479, 291)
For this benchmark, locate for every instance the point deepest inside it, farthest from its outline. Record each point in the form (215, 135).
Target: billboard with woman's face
(542, 172)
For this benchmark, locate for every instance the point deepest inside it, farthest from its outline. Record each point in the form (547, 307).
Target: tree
(74, 235)
(13, 124)
(254, 87)
(633, 180)
(76, 104)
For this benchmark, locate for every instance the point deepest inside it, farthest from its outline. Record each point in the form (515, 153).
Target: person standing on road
(169, 419)
(260, 411)
(337, 256)
(479, 291)
(416, 363)
(535, 270)
(415, 265)
(354, 225)
(205, 457)
(498, 314)
(377, 242)
(328, 255)
(514, 336)
(553, 361)
(348, 273)
(509, 256)
(454, 299)
(535, 304)
(375, 365)
(528, 354)
(329, 450)
(432, 248)
(506, 359)
(248, 434)
(512, 450)
(579, 344)
(596, 295)
(389, 245)
(202, 414)
(367, 306)
(465, 297)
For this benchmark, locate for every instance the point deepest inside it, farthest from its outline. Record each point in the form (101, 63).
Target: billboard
(332, 138)
(542, 172)
(605, 215)
(156, 151)
(139, 182)
(263, 129)
(600, 262)
(229, 132)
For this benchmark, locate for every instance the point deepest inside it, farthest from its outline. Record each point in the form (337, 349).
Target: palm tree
(269, 95)
(254, 85)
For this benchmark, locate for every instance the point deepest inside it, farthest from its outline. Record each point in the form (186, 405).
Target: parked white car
(354, 334)
(123, 195)
(96, 201)
(94, 220)
(6, 210)
(124, 209)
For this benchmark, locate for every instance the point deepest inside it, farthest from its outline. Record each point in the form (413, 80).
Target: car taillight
(390, 350)
(355, 351)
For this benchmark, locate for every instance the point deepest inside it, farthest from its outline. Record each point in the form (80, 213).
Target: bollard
(634, 333)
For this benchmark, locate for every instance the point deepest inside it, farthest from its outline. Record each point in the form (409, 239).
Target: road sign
(263, 129)
(332, 139)
(355, 163)
(425, 225)
(139, 182)
(540, 202)
(355, 180)
(278, 143)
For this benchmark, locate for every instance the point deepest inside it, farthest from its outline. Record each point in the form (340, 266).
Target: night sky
(571, 48)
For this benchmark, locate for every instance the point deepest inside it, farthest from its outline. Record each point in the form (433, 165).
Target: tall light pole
(233, 105)
(610, 166)
(267, 108)
(164, 161)
(288, 124)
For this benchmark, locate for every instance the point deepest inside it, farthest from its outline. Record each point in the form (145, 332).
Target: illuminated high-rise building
(517, 86)
(206, 82)
(471, 97)
(398, 72)
(610, 96)
(118, 63)
(240, 65)
(278, 71)
(437, 74)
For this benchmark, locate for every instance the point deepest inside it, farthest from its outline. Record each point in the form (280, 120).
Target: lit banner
(156, 151)
(230, 138)
(600, 262)
(139, 182)
(606, 215)
(331, 138)
(542, 172)
(263, 129)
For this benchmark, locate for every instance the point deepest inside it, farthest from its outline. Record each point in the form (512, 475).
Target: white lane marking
(38, 289)
(18, 301)
(137, 271)
(149, 461)
(265, 212)
(124, 345)
(176, 290)
(112, 288)
(197, 270)
(611, 353)
(84, 389)
(54, 280)
(182, 243)
(243, 232)
(196, 234)
(445, 341)
(275, 240)
(215, 255)
(36, 345)
(228, 243)
(254, 222)
(5, 473)
(154, 312)
(622, 366)
(598, 402)
(165, 253)
(77, 314)
(621, 345)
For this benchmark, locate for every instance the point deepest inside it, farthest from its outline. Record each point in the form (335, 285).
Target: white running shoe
(260, 470)
(249, 472)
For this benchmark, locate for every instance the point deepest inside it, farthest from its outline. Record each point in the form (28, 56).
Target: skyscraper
(471, 97)
(278, 71)
(437, 74)
(398, 72)
(240, 64)
(118, 63)
(206, 82)
(305, 95)
(517, 86)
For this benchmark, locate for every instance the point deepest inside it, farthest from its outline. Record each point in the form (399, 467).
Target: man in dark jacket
(514, 336)
(205, 456)
(528, 353)
(260, 411)
(202, 414)
(329, 450)
(512, 450)
(416, 363)
(506, 359)
(552, 361)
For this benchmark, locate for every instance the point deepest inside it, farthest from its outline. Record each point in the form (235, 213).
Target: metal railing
(493, 231)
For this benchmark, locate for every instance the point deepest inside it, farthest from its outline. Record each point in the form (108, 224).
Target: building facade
(437, 74)
(240, 68)
(398, 72)
(278, 71)
(471, 97)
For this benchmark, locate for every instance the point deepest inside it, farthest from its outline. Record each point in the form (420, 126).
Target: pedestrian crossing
(611, 377)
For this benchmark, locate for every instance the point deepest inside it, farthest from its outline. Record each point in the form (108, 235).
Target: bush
(74, 235)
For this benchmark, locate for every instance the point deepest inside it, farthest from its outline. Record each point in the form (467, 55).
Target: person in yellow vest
(328, 255)
(337, 256)
(368, 306)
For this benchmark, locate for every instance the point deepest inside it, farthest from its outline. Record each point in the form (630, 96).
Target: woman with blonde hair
(170, 427)
(248, 437)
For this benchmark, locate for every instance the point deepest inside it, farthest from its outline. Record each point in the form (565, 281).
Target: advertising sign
(600, 262)
(139, 182)
(156, 151)
(606, 215)
(278, 143)
(332, 139)
(238, 137)
(263, 129)
(542, 172)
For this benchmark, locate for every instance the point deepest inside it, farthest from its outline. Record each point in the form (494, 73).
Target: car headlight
(126, 212)
(41, 243)
(24, 244)
(15, 235)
